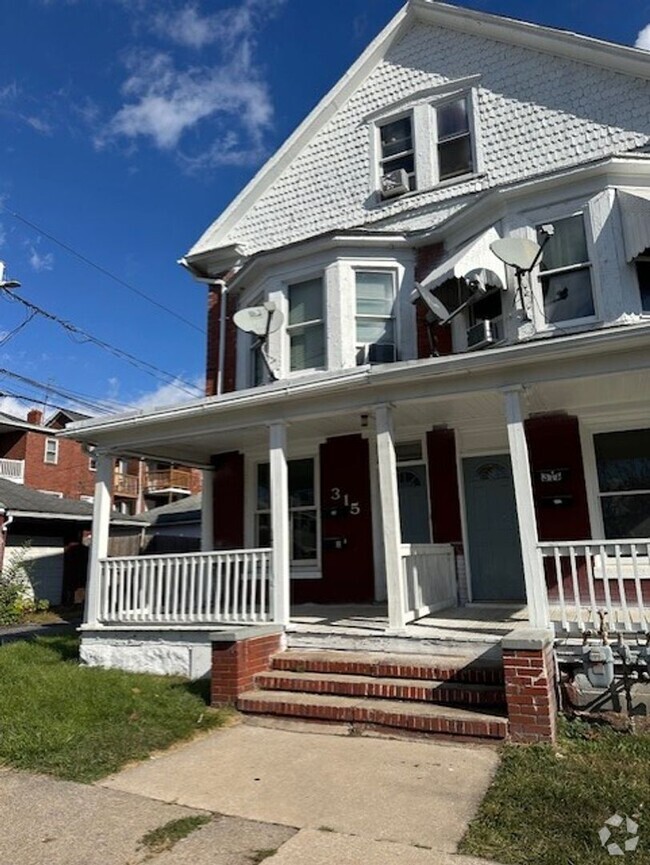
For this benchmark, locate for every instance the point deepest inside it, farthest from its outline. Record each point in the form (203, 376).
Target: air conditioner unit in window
(483, 333)
(381, 353)
(394, 183)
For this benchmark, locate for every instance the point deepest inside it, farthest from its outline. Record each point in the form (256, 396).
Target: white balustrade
(12, 470)
(587, 578)
(429, 578)
(230, 586)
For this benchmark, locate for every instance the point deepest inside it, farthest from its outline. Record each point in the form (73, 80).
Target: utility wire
(142, 365)
(30, 399)
(100, 268)
(104, 406)
(12, 333)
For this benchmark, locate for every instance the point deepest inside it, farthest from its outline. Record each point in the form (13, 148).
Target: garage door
(45, 557)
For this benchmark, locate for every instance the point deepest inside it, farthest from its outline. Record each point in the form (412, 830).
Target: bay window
(566, 272)
(306, 328)
(623, 465)
(375, 320)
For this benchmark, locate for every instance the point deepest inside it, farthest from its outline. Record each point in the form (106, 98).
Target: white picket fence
(429, 572)
(585, 578)
(233, 586)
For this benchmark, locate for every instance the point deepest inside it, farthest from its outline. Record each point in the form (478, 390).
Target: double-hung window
(306, 328)
(397, 148)
(566, 272)
(375, 319)
(623, 463)
(454, 139)
(51, 454)
(303, 511)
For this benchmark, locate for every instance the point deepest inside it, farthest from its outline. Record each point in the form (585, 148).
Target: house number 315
(338, 496)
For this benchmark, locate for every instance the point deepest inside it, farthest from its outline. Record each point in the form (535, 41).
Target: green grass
(164, 837)
(546, 804)
(82, 723)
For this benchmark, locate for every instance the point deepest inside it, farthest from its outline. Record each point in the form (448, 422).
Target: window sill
(378, 203)
(574, 326)
(305, 572)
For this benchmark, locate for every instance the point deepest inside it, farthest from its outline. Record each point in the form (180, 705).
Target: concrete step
(467, 668)
(352, 685)
(381, 713)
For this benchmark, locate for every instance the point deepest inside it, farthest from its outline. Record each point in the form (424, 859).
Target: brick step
(467, 669)
(414, 717)
(350, 685)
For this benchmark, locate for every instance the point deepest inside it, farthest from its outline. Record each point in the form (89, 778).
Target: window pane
(452, 119)
(304, 535)
(455, 157)
(369, 331)
(306, 301)
(408, 451)
(301, 483)
(374, 293)
(626, 516)
(397, 162)
(263, 487)
(308, 347)
(567, 246)
(568, 296)
(263, 530)
(643, 274)
(623, 460)
(396, 137)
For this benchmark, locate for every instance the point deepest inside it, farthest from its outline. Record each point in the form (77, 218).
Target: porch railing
(12, 470)
(429, 572)
(588, 578)
(233, 586)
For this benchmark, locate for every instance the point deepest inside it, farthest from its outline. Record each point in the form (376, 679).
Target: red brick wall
(70, 476)
(530, 694)
(433, 339)
(443, 487)
(235, 665)
(215, 299)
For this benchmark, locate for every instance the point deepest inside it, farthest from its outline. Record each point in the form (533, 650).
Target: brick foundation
(237, 657)
(529, 672)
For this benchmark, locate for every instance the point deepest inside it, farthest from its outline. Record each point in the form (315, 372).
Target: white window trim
(55, 456)
(286, 359)
(423, 461)
(395, 311)
(425, 139)
(92, 464)
(54, 493)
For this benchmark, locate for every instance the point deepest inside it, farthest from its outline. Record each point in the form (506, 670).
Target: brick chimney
(35, 416)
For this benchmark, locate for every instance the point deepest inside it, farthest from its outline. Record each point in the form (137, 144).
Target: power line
(30, 399)
(103, 406)
(100, 268)
(142, 365)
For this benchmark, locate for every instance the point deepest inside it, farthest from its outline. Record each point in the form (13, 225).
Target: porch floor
(474, 628)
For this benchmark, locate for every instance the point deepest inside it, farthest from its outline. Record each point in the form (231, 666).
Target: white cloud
(187, 26)
(643, 39)
(3, 235)
(12, 406)
(41, 262)
(38, 124)
(167, 394)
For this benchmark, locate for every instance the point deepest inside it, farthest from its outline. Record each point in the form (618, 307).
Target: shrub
(17, 596)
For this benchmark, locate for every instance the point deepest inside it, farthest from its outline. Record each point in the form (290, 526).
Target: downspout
(7, 520)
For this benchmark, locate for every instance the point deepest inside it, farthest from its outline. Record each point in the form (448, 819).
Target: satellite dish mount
(523, 255)
(261, 321)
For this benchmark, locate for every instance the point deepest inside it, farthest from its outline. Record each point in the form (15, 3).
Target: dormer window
(454, 139)
(397, 148)
(306, 328)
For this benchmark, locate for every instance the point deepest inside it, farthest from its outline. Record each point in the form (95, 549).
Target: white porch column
(99, 539)
(532, 561)
(389, 497)
(207, 511)
(280, 557)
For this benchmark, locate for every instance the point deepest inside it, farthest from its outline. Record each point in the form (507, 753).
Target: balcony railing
(587, 579)
(12, 470)
(125, 485)
(158, 480)
(217, 587)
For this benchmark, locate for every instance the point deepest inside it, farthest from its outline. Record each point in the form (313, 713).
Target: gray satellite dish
(481, 279)
(260, 320)
(436, 306)
(4, 282)
(518, 252)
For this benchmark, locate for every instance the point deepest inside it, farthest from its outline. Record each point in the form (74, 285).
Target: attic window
(397, 148)
(454, 139)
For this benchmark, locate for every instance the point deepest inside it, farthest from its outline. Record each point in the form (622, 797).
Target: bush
(17, 596)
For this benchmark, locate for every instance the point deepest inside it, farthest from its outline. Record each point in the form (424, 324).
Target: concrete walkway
(354, 790)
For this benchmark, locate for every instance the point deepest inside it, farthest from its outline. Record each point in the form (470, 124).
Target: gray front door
(494, 548)
(413, 504)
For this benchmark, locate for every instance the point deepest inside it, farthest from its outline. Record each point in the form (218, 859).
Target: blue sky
(128, 125)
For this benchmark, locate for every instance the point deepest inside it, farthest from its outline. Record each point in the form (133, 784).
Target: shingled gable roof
(23, 501)
(586, 49)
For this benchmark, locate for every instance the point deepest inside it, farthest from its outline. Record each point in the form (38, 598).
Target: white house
(387, 453)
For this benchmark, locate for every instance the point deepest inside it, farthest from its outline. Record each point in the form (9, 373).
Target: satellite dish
(260, 320)
(4, 282)
(436, 306)
(518, 252)
(482, 279)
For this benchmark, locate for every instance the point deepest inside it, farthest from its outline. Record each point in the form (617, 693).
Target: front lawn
(82, 723)
(547, 804)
